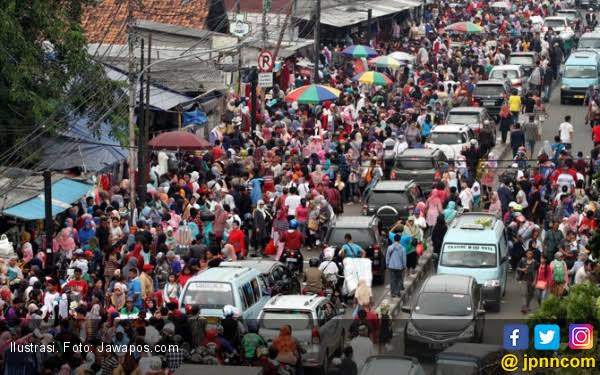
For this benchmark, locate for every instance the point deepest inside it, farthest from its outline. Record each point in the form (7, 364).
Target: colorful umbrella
(373, 78)
(464, 27)
(178, 140)
(313, 94)
(360, 51)
(385, 62)
(501, 5)
(402, 56)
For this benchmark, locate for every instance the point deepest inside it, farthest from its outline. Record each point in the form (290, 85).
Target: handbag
(419, 249)
(541, 284)
(313, 224)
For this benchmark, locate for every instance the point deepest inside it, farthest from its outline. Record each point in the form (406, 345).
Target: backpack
(558, 272)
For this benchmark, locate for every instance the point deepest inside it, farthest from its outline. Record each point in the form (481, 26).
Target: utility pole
(282, 32)
(146, 131)
(141, 185)
(132, 83)
(317, 36)
(238, 9)
(48, 214)
(369, 16)
(253, 83)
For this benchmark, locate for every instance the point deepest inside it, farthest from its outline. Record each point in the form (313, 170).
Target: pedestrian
(396, 263)
(532, 134)
(506, 121)
(559, 275)
(514, 105)
(437, 234)
(526, 274)
(362, 347)
(517, 139)
(565, 131)
(543, 280)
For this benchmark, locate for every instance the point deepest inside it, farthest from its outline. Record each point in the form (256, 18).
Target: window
(264, 286)
(248, 295)
(324, 313)
(208, 295)
(256, 289)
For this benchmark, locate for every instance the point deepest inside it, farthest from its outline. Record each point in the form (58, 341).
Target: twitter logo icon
(546, 337)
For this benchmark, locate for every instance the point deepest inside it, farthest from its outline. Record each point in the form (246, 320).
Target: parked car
(392, 200)
(392, 364)
(473, 117)
(526, 60)
(469, 358)
(422, 165)
(447, 309)
(211, 290)
(451, 139)
(515, 75)
(590, 41)
(365, 232)
(572, 15)
(492, 95)
(316, 325)
(278, 277)
(557, 24)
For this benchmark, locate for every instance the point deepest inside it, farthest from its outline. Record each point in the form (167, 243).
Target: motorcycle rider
(350, 249)
(590, 18)
(314, 277)
(292, 241)
(219, 344)
(250, 344)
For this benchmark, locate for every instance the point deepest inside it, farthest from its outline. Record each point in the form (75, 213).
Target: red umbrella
(178, 140)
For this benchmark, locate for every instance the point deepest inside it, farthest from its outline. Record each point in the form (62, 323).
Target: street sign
(265, 61)
(265, 80)
(240, 27)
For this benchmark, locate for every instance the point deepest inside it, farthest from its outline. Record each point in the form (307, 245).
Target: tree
(46, 73)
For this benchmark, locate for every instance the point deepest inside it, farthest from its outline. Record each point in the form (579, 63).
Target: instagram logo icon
(581, 336)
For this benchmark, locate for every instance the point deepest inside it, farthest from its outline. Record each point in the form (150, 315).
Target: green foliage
(594, 244)
(41, 85)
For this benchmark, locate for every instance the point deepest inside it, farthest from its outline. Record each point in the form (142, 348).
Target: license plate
(292, 260)
(437, 346)
(488, 103)
(212, 320)
(579, 96)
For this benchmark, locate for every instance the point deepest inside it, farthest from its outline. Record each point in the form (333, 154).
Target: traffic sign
(240, 27)
(265, 61)
(265, 80)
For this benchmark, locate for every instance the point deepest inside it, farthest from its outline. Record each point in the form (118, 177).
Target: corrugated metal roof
(159, 98)
(64, 193)
(352, 13)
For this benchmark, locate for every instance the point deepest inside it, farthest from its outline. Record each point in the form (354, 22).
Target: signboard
(239, 27)
(265, 80)
(470, 247)
(265, 61)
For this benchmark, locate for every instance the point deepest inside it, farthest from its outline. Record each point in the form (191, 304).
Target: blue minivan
(579, 73)
(475, 245)
(211, 290)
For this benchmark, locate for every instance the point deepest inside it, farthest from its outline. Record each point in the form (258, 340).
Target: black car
(365, 233)
(469, 358)
(447, 309)
(492, 95)
(422, 165)
(392, 364)
(278, 277)
(392, 200)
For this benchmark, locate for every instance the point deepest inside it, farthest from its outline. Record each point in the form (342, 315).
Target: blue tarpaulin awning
(64, 193)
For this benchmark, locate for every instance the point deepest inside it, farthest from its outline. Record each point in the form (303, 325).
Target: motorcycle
(293, 260)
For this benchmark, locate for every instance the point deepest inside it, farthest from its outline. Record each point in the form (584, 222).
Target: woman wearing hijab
(260, 218)
(450, 212)
(495, 205)
(437, 234)
(27, 250)
(118, 297)
(286, 346)
(489, 175)
(93, 319)
(219, 223)
(66, 242)
(412, 231)
(506, 121)
(433, 208)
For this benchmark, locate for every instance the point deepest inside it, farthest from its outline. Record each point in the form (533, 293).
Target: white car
(560, 25)
(450, 139)
(315, 322)
(515, 74)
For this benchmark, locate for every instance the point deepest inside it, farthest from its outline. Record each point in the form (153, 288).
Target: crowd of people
(115, 274)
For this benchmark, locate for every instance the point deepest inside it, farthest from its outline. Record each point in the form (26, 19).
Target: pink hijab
(495, 205)
(65, 241)
(27, 252)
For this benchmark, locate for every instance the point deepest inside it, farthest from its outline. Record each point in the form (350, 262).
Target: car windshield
(208, 295)
(299, 320)
(463, 118)
(455, 367)
(580, 72)
(568, 15)
(593, 43)
(381, 198)
(499, 74)
(440, 138)
(389, 366)
(554, 23)
(362, 237)
(488, 90)
(415, 163)
(443, 304)
(469, 256)
(521, 60)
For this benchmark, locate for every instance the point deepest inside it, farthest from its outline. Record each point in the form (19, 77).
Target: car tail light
(516, 82)
(315, 337)
(376, 249)
(393, 175)
(477, 131)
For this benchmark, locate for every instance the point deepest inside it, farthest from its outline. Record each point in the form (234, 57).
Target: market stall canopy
(91, 149)
(464, 27)
(65, 192)
(385, 62)
(359, 51)
(402, 56)
(313, 94)
(179, 140)
(373, 78)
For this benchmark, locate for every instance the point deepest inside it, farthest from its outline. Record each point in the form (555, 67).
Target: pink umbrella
(178, 140)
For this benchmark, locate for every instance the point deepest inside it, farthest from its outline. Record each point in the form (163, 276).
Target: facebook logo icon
(516, 337)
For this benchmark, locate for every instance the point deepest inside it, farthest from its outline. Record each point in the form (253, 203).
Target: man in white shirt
(566, 132)
(292, 201)
(362, 346)
(466, 198)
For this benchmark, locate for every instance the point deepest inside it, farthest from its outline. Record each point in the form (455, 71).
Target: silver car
(315, 323)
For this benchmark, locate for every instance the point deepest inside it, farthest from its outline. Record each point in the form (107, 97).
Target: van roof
(466, 226)
(223, 274)
(583, 58)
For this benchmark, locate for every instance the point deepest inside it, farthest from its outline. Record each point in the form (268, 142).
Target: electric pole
(48, 215)
(238, 9)
(317, 36)
(253, 83)
(141, 185)
(132, 81)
